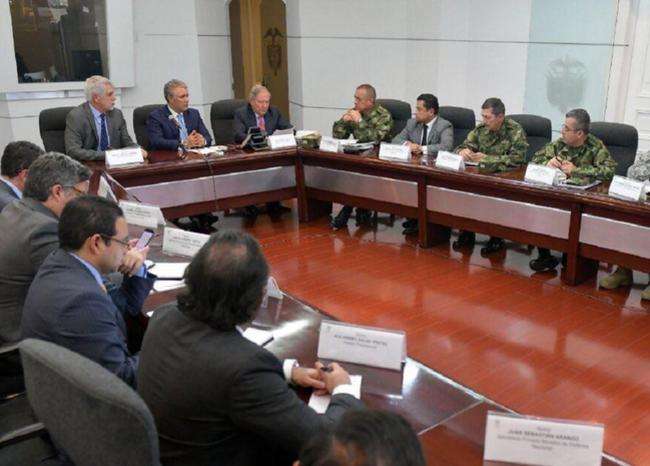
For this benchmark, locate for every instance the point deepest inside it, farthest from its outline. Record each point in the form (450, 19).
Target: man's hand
(554, 163)
(355, 116)
(145, 155)
(347, 116)
(567, 167)
(478, 156)
(333, 376)
(307, 377)
(133, 259)
(415, 148)
(466, 154)
(195, 139)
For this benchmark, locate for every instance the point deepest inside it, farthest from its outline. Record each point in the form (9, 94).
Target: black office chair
(538, 132)
(399, 110)
(140, 115)
(51, 123)
(463, 120)
(221, 117)
(621, 140)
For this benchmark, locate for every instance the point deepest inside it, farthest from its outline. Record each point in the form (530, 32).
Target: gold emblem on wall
(273, 49)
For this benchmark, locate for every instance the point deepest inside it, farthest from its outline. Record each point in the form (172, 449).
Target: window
(59, 40)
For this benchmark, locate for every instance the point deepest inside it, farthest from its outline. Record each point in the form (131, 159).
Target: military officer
(497, 144)
(581, 156)
(367, 122)
(623, 277)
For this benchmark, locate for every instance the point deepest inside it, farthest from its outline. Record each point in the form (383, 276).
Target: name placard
(362, 345)
(546, 442)
(627, 189)
(400, 152)
(181, 242)
(279, 141)
(450, 161)
(541, 174)
(147, 216)
(119, 157)
(329, 144)
(104, 190)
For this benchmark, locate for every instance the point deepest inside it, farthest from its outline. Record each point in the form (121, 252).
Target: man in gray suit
(96, 126)
(427, 133)
(16, 159)
(29, 231)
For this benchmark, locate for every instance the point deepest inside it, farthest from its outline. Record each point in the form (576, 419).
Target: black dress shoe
(544, 263)
(410, 223)
(341, 220)
(251, 212)
(411, 228)
(363, 217)
(465, 240)
(493, 245)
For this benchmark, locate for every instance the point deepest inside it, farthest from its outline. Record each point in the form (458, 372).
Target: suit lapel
(91, 120)
(171, 123)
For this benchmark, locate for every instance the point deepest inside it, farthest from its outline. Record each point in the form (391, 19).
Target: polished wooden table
(589, 226)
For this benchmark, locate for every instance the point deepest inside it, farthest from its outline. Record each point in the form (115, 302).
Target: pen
(326, 369)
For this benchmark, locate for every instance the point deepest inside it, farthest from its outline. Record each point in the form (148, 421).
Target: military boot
(621, 277)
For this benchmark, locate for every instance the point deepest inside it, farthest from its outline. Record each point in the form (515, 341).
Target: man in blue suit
(175, 124)
(69, 302)
(258, 113)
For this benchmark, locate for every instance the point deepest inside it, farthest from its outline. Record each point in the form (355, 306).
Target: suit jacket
(245, 118)
(28, 234)
(81, 138)
(66, 306)
(7, 195)
(441, 136)
(218, 398)
(163, 133)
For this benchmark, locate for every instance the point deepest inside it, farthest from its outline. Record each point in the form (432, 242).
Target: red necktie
(260, 122)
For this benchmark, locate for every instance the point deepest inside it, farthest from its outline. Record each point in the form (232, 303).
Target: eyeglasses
(77, 191)
(123, 242)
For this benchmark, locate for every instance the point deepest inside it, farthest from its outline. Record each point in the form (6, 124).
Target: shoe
(411, 228)
(493, 245)
(251, 212)
(341, 220)
(364, 218)
(645, 294)
(465, 239)
(621, 277)
(410, 223)
(544, 263)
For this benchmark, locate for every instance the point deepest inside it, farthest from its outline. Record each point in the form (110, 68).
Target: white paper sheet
(169, 270)
(258, 336)
(319, 403)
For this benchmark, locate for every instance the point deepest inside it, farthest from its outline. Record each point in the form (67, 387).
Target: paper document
(258, 336)
(169, 270)
(280, 132)
(164, 285)
(576, 186)
(304, 133)
(217, 150)
(319, 403)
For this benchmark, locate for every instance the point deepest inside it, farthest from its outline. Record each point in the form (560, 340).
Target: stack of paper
(258, 336)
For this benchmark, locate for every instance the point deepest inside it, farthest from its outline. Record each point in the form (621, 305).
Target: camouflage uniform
(504, 149)
(592, 159)
(375, 126)
(641, 169)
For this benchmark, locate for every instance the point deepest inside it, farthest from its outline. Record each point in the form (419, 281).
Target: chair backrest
(51, 123)
(538, 131)
(221, 117)
(621, 140)
(140, 115)
(399, 110)
(90, 413)
(462, 119)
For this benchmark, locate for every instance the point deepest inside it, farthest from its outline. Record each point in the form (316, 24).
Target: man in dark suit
(175, 124)
(29, 231)
(216, 397)
(426, 134)
(96, 126)
(70, 304)
(16, 159)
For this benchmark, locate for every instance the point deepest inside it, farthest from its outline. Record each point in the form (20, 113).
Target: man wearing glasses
(29, 231)
(70, 303)
(581, 156)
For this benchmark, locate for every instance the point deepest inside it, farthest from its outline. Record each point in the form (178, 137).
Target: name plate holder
(450, 161)
(104, 190)
(281, 141)
(148, 216)
(398, 152)
(181, 242)
(541, 441)
(627, 189)
(358, 344)
(121, 157)
(329, 144)
(541, 174)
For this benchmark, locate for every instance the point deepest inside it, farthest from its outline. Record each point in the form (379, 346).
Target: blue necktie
(103, 137)
(182, 128)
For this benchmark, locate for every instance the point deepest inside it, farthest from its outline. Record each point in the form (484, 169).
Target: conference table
(587, 225)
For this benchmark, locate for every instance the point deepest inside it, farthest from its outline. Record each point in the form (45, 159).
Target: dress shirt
(97, 116)
(178, 117)
(17, 191)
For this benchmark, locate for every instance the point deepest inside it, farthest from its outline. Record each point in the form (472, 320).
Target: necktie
(260, 122)
(424, 136)
(103, 137)
(182, 127)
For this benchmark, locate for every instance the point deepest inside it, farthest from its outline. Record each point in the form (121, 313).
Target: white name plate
(541, 174)
(280, 141)
(147, 216)
(104, 190)
(362, 345)
(400, 152)
(450, 161)
(118, 157)
(544, 442)
(627, 188)
(183, 243)
(329, 144)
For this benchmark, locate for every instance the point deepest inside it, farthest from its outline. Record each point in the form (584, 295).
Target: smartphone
(144, 239)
